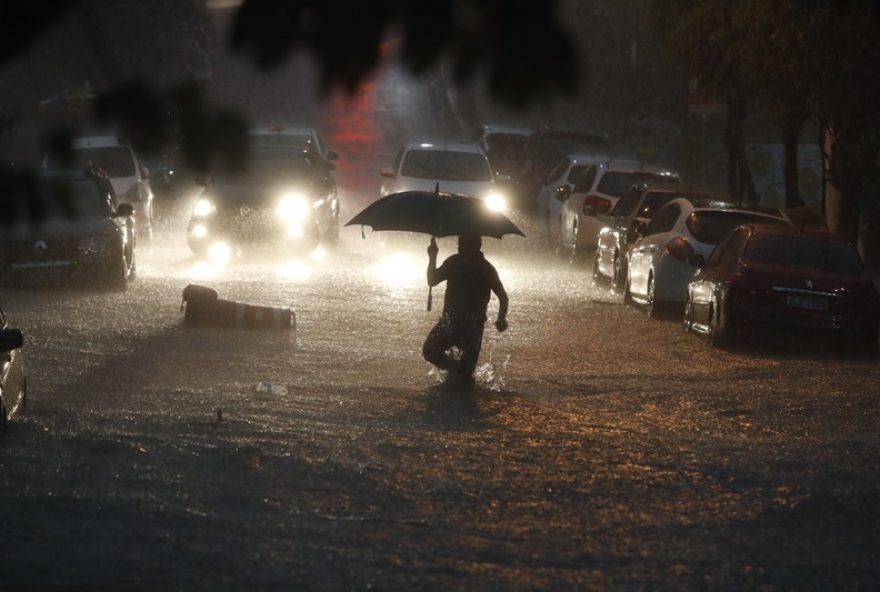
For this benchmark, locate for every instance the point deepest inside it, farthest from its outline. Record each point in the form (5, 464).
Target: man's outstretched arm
(503, 300)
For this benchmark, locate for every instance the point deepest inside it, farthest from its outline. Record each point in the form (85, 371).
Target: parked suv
(583, 215)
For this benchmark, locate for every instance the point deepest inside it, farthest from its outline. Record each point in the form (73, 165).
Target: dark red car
(777, 276)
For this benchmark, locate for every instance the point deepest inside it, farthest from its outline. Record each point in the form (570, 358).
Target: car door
(650, 246)
(547, 193)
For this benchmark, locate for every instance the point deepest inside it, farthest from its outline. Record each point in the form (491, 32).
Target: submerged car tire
(687, 317)
(121, 274)
(718, 334)
(618, 275)
(627, 294)
(652, 307)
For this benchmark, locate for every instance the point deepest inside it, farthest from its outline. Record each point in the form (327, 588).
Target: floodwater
(600, 449)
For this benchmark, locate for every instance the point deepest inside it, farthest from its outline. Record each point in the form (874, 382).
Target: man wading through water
(469, 280)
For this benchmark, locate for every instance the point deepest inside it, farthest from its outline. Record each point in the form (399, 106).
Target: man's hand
(432, 249)
(501, 325)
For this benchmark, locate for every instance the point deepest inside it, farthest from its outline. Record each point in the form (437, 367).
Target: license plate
(807, 302)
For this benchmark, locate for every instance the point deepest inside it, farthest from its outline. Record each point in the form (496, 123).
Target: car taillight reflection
(594, 205)
(679, 248)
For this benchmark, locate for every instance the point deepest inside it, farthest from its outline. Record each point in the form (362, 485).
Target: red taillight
(680, 248)
(593, 204)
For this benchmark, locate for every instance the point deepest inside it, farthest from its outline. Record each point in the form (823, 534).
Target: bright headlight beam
(203, 207)
(293, 207)
(220, 253)
(200, 231)
(496, 202)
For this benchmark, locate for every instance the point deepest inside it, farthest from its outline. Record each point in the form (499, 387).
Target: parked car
(659, 269)
(130, 179)
(572, 174)
(13, 380)
(616, 237)
(455, 167)
(84, 234)
(585, 212)
(546, 148)
(277, 138)
(285, 201)
(780, 277)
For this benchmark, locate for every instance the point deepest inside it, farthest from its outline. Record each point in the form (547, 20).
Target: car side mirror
(563, 192)
(697, 260)
(125, 209)
(10, 339)
(387, 173)
(332, 155)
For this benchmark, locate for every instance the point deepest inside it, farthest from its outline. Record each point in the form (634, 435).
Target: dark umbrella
(436, 213)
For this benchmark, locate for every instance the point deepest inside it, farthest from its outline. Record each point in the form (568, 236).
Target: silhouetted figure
(469, 281)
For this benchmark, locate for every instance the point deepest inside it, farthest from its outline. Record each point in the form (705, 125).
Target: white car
(455, 168)
(584, 213)
(661, 260)
(572, 174)
(129, 178)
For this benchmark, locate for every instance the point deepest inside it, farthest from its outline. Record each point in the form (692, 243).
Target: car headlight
(220, 253)
(93, 244)
(293, 207)
(199, 231)
(496, 202)
(203, 208)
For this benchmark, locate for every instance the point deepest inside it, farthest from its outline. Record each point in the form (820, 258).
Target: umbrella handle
(430, 297)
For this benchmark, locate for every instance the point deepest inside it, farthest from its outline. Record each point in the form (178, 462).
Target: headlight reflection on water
(398, 270)
(295, 270)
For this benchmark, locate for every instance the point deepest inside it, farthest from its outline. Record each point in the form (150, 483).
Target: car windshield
(711, 226)
(506, 152)
(617, 183)
(116, 161)
(804, 251)
(73, 199)
(447, 165)
(268, 169)
(653, 202)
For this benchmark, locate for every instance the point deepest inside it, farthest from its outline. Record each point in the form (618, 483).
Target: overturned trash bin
(203, 308)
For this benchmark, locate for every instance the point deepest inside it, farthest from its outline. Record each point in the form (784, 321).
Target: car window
(726, 248)
(117, 161)
(710, 226)
(617, 183)
(627, 204)
(805, 251)
(585, 183)
(557, 171)
(67, 199)
(449, 165)
(654, 201)
(664, 220)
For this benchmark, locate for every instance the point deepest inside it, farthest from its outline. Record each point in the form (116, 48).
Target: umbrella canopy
(436, 213)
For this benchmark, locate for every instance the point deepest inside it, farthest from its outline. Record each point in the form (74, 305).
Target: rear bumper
(83, 269)
(755, 317)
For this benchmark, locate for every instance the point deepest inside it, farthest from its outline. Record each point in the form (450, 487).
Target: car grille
(38, 252)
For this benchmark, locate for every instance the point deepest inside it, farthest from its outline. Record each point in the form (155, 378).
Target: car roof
(505, 129)
(775, 230)
(706, 204)
(586, 158)
(445, 146)
(634, 166)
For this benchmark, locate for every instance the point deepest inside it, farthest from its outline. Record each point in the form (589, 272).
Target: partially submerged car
(286, 201)
(619, 232)
(659, 266)
(782, 278)
(83, 234)
(13, 380)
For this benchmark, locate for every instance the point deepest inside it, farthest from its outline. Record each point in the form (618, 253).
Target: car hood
(475, 189)
(59, 229)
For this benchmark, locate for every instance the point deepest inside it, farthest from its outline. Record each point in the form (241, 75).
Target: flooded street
(600, 449)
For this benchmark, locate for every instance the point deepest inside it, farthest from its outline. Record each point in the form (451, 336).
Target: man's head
(469, 243)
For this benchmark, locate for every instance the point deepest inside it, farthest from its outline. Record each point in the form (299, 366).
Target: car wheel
(4, 422)
(717, 331)
(687, 317)
(618, 275)
(627, 294)
(652, 307)
(598, 280)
